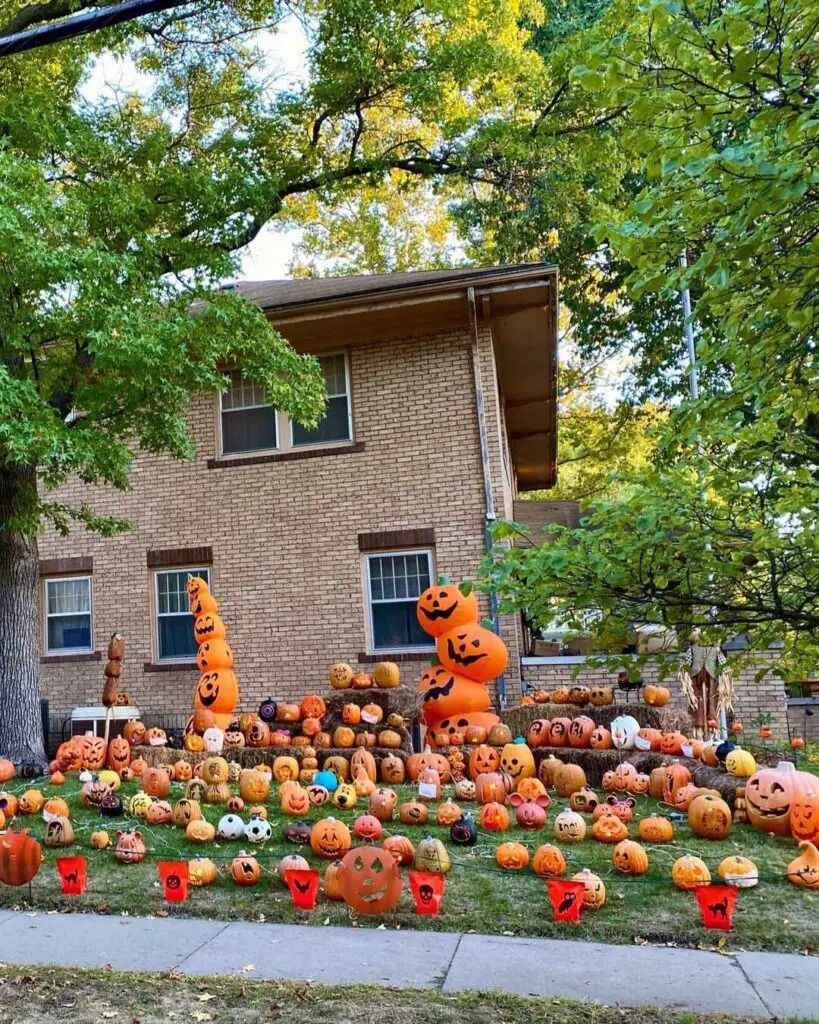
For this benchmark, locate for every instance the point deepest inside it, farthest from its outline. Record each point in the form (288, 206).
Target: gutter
(490, 515)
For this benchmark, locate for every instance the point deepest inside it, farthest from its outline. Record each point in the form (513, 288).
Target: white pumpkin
(214, 740)
(231, 826)
(624, 731)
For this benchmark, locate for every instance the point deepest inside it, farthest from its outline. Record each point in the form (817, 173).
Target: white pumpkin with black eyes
(258, 830)
(231, 826)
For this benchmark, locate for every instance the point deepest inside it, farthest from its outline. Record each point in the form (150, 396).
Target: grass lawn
(88, 997)
(480, 897)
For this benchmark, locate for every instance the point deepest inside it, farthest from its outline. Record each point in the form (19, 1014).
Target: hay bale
(404, 700)
(250, 757)
(519, 719)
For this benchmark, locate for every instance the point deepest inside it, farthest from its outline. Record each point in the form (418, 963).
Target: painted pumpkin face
(530, 814)
(623, 809)
(445, 693)
(443, 607)
(345, 796)
(217, 691)
(518, 761)
(369, 880)
(474, 652)
(569, 827)
(600, 696)
(580, 732)
(214, 654)
(209, 627)
(318, 795)
(559, 732)
(538, 732)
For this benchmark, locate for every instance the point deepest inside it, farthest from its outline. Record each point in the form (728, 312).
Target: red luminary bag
(717, 904)
(174, 877)
(73, 874)
(303, 884)
(427, 891)
(566, 897)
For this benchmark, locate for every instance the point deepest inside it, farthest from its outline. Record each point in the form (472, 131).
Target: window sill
(64, 659)
(397, 656)
(170, 666)
(226, 462)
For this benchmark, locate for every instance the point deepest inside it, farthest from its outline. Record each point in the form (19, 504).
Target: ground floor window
(68, 615)
(174, 622)
(393, 582)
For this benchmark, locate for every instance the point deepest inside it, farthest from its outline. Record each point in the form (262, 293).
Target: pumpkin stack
(454, 692)
(217, 692)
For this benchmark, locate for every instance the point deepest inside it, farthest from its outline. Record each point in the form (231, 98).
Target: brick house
(442, 406)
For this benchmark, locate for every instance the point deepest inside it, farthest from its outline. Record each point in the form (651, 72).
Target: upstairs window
(249, 424)
(394, 583)
(68, 614)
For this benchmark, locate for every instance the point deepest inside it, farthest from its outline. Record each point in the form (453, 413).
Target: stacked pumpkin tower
(455, 694)
(217, 691)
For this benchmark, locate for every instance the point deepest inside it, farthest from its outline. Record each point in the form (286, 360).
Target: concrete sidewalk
(761, 984)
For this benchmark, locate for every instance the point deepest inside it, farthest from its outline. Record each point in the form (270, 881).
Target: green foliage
(721, 531)
(119, 213)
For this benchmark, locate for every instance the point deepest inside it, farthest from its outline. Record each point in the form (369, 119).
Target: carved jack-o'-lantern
(770, 794)
(413, 812)
(130, 848)
(294, 799)
(569, 827)
(805, 816)
(709, 817)
(318, 795)
(382, 803)
(369, 880)
(630, 858)
(93, 752)
(392, 770)
(185, 811)
(494, 817)
(416, 763)
(401, 849)
(601, 739)
(548, 861)
(119, 753)
(473, 651)
(609, 829)
(483, 759)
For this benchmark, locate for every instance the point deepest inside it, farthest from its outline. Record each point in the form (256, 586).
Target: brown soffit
(161, 557)
(386, 540)
(66, 566)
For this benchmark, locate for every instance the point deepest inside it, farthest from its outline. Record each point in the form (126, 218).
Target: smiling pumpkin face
(443, 607)
(330, 839)
(770, 794)
(209, 627)
(473, 651)
(217, 691)
(518, 761)
(214, 654)
(369, 880)
(805, 816)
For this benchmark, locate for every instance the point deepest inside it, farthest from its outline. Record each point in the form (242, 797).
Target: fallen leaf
(203, 997)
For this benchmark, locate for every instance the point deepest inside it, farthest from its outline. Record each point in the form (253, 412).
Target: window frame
(422, 651)
(59, 651)
(284, 425)
(187, 659)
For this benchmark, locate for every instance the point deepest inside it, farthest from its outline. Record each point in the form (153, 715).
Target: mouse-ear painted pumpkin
(473, 651)
(444, 606)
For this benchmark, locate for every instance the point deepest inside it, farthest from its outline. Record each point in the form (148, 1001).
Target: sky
(269, 254)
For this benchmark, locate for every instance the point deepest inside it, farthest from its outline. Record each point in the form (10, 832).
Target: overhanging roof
(520, 302)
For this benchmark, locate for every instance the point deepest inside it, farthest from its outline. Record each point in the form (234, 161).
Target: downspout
(489, 500)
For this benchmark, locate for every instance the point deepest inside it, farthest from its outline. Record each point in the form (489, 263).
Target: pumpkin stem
(444, 581)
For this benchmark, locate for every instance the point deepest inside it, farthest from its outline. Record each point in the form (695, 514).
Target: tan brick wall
(286, 565)
(767, 695)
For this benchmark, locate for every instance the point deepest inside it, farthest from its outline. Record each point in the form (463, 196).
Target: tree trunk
(21, 730)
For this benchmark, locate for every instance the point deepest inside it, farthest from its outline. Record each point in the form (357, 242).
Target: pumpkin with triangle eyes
(214, 654)
(94, 750)
(369, 880)
(512, 856)
(609, 829)
(473, 651)
(119, 753)
(483, 759)
(805, 816)
(548, 861)
(770, 794)
(444, 606)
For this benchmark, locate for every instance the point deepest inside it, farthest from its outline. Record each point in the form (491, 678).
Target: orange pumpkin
(473, 651)
(361, 681)
(94, 750)
(675, 776)
(483, 759)
(214, 654)
(446, 693)
(601, 739)
(443, 607)
(119, 753)
(351, 714)
(416, 763)
(490, 787)
(689, 872)
(494, 817)
(7, 770)
(648, 739)
(218, 691)
(656, 829)
(313, 706)
(401, 849)
(549, 862)
(512, 856)
(208, 627)
(245, 870)
(538, 733)
(630, 858)
(340, 676)
(609, 829)
(805, 816)
(343, 737)
(672, 742)
(580, 732)
(559, 732)
(330, 839)
(770, 794)
(656, 696)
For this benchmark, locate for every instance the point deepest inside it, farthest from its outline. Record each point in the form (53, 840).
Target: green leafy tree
(120, 214)
(721, 531)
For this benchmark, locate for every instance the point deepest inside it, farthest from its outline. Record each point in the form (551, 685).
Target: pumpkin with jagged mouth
(369, 880)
